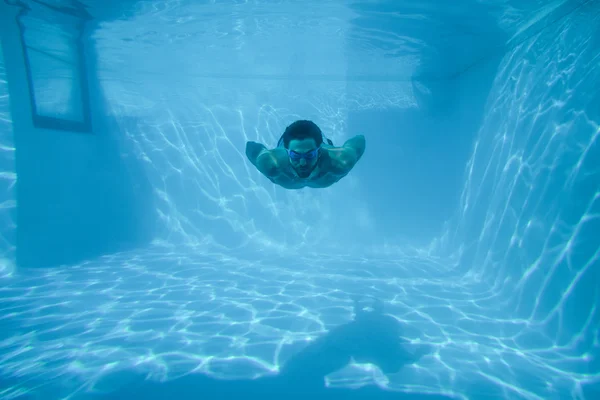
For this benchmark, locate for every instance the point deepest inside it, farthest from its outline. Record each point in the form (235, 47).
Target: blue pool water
(143, 256)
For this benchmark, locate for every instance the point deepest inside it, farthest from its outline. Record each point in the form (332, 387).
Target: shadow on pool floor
(372, 337)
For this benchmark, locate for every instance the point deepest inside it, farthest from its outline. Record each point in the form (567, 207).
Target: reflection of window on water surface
(55, 62)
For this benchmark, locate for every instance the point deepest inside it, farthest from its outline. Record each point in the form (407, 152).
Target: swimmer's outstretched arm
(265, 160)
(344, 158)
(355, 147)
(253, 150)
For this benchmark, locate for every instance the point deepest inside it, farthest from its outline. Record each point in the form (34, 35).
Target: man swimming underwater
(303, 158)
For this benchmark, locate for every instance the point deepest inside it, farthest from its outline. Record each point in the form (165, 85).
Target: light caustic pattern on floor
(168, 315)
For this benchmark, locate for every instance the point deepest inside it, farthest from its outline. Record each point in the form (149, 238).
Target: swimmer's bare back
(334, 163)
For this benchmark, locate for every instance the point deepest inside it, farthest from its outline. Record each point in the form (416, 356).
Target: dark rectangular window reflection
(55, 62)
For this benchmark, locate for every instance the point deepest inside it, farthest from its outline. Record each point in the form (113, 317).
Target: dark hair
(302, 129)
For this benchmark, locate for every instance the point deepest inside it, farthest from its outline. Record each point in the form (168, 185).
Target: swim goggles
(310, 155)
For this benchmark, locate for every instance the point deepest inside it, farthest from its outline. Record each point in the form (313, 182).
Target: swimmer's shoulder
(273, 162)
(340, 160)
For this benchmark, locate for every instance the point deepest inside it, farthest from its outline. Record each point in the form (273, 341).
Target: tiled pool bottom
(166, 314)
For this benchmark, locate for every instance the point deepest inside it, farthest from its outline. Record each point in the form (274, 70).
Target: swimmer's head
(303, 139)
